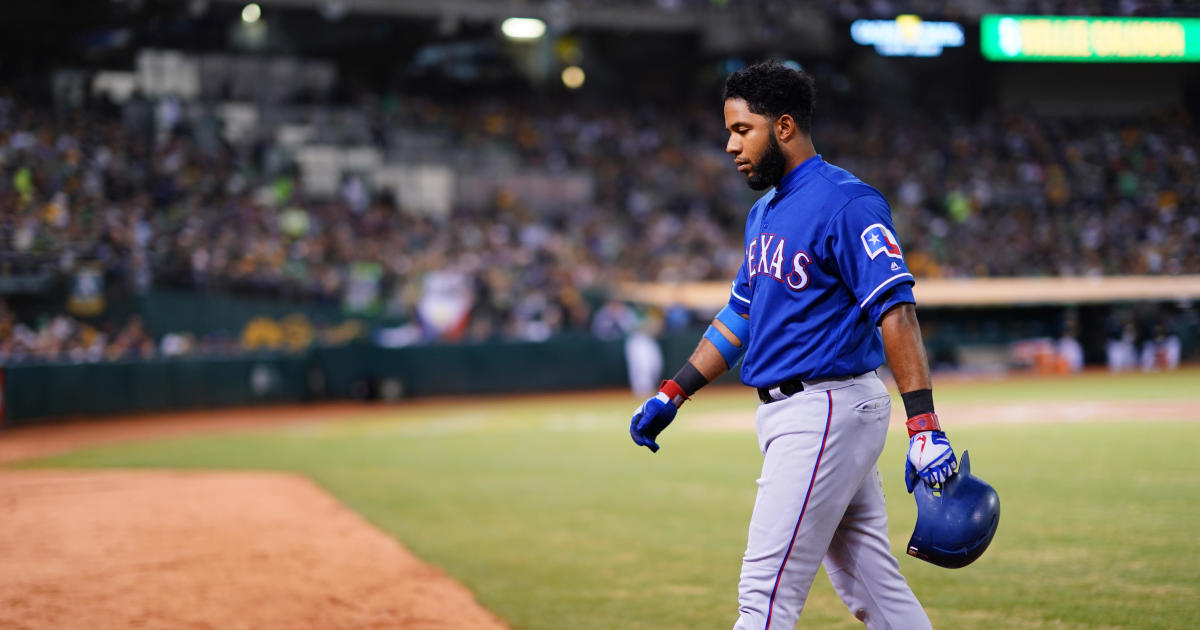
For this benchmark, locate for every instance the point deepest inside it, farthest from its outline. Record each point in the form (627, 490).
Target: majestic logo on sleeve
(877, 240)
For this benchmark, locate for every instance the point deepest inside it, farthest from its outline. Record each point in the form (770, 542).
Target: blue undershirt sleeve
(899, 294)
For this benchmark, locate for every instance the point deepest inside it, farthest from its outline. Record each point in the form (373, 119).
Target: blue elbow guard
(737, 325)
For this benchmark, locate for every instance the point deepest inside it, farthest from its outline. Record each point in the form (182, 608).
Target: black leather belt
(787, 388)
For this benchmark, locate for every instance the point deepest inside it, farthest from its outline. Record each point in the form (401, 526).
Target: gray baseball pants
(820, 500)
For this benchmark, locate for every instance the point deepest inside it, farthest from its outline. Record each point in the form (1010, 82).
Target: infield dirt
(163, 549)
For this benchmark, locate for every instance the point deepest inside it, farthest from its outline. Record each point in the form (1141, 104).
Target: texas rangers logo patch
(877, 240)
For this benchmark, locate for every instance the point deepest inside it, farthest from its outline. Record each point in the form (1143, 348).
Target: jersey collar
(794, 176)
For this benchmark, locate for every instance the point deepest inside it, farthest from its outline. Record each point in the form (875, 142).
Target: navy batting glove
(650, 418)
(930, 459)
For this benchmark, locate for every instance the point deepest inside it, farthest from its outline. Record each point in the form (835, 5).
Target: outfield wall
(36, 392)
(362, 371)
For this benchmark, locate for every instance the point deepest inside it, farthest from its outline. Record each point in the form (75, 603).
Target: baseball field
(549, 516)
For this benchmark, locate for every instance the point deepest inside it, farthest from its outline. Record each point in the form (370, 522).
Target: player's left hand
(930, 459)
(650, 418)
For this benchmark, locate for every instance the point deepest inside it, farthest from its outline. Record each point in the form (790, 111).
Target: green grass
(1101, 386)
(548, 512)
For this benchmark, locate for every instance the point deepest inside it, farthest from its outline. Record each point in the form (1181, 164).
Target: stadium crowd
(160, 200)
(64, 338)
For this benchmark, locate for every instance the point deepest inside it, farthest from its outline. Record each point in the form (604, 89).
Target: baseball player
(822, 295)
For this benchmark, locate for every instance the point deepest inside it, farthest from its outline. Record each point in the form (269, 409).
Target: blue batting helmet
(956, 524)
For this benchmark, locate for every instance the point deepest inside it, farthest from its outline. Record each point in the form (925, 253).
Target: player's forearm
(906, 356)
(708, 362)
(905, 349)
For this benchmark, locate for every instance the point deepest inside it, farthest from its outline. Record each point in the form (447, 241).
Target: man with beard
(823, 275)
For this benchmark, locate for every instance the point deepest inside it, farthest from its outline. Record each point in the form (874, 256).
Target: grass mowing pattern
(546, 510)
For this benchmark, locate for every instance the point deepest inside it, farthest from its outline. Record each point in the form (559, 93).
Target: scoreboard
(1083, 39)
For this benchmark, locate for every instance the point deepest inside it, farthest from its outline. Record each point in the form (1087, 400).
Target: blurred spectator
(1160, 351)
(1069, 350)
(61, 338)
(614, 320)
(643, 355)
(1122, 351)
(66, 339)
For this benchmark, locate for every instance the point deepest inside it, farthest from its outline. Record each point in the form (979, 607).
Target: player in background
(822, 294)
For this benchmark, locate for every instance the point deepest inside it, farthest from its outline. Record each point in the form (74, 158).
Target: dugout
(974, 323)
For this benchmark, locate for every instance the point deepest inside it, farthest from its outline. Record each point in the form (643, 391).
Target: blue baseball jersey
(822, 265)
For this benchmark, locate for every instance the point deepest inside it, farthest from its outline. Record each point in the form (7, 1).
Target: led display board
(1101, 39)
(907, 36)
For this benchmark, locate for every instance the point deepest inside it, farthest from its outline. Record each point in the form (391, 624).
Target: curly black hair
(773, 89)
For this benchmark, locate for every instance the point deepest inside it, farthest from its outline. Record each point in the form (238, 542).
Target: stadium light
(573, 77)
(251, 13)
(523, 28)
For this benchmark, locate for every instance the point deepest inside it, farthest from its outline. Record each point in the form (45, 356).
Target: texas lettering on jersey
(766, 256)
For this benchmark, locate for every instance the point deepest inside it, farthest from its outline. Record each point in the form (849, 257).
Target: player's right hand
(650, 418)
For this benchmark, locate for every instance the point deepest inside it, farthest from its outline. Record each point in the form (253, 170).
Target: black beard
(769, 169)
